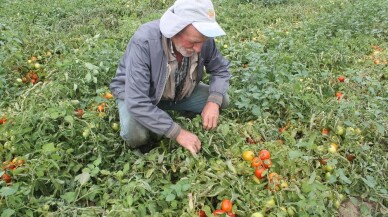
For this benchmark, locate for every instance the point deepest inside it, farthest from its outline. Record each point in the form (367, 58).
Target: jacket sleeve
(218, 68)
(137, 86)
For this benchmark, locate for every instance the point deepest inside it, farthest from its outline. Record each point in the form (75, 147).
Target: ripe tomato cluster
(375, 55)
(226, 208)
(6, 165)
(30, 77)
(262, 164)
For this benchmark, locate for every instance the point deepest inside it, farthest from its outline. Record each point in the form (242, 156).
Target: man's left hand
(210, 114)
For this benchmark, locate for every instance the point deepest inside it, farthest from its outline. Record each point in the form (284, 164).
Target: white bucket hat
(199, 13)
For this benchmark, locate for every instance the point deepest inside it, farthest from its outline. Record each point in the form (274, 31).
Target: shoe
(146, 148)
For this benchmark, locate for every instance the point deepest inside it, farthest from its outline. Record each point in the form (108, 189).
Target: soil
(359, 207)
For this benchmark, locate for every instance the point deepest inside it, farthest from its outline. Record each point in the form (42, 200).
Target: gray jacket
(142, 75)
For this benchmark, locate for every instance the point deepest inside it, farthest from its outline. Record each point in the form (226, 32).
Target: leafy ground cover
(309, 85)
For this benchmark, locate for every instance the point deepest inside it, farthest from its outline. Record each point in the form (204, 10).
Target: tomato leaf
(312, 177)
(370, 181)
(343, 177)
(49, 147)
(295, 154)
(82, 178)
(69, 196)
(7, 212)
(91, 66)
(170, 197)
(7, 191)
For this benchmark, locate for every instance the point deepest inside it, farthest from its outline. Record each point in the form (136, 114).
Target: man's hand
(210, 114)
(189, 141)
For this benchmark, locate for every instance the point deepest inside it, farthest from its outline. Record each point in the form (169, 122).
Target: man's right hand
(189, 141)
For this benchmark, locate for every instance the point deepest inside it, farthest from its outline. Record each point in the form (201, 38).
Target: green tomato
(349, 131)
(86, 133)
(257, 214)
(337, 204)
(270, 203)
(321, 148)
(341, 197)
(332, 148)
(327, 176)
(339, 130)
(115, 126)
(328, 168)
(291, 211)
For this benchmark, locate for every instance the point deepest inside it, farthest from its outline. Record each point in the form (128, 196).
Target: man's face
(188, 41)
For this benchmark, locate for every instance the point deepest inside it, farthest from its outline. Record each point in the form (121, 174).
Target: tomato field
(305, 134)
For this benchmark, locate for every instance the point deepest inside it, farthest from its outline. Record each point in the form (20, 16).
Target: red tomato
(264, 154)
(256, 162)
(281, 130)
(350, 157)
(218, 212)
(323, 161)
(267, 163)
(325, 131)
(80, 113)
(341, 78)
(6, 178)
(231, 214)
(3, 120)
(338, 95)
(259, 172)
(202, 213)
(226, 205)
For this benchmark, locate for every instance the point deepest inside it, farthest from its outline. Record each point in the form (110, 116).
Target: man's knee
(133, 133)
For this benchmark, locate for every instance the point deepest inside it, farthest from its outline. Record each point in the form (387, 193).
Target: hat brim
(171, 24)
(209, 29)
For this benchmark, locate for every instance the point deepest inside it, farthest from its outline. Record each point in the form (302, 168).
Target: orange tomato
(108, 95)
(274, 178)
(226, 205)
(281, 130)
(100, 108)
(256, 162)
(264, 154)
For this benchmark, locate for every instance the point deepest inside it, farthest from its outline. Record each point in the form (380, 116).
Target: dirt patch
(358, 207)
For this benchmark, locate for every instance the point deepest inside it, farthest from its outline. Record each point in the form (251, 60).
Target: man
(161, 70)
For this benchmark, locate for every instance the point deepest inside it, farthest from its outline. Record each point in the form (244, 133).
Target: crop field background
(309, 84)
